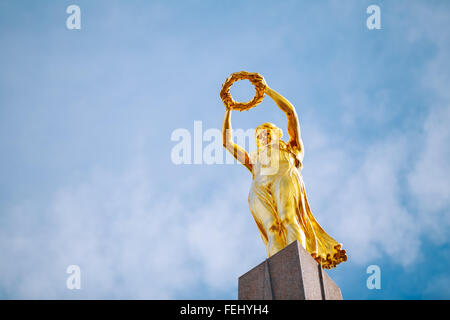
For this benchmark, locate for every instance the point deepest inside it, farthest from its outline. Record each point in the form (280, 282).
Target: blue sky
(86, 118)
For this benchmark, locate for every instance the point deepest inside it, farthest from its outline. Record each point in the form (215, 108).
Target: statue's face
(266, 136)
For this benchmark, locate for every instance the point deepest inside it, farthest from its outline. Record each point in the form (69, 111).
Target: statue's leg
(264, 213)
(287, 204)
(292, 227)
(276, 237)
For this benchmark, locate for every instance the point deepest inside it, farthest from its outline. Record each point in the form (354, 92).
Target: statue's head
(267, 133)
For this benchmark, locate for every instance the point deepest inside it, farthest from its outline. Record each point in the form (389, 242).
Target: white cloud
(360, 204)
(128, 240)
(368, 210)
(430, 177)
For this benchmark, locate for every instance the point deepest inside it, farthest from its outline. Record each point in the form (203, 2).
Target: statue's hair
(269, 126)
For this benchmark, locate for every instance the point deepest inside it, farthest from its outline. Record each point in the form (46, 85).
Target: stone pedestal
(290, 274)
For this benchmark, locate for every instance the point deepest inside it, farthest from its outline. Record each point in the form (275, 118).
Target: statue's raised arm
(227, 139)
(293, 124)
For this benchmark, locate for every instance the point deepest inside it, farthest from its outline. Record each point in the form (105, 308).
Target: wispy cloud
(128, 241)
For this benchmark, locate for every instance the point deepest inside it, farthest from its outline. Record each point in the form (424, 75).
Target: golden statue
(277, 196)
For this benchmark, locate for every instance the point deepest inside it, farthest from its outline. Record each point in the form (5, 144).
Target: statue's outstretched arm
(227, 138)
(293, 125)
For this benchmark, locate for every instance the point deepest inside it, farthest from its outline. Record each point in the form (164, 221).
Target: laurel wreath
(228, 100)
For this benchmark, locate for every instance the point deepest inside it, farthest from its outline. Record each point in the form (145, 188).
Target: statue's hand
(262, 80)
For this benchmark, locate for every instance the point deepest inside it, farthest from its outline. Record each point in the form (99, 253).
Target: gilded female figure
(277, 197)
